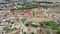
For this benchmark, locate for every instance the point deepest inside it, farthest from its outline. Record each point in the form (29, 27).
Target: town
(29, 17)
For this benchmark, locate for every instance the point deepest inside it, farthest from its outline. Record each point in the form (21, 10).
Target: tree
(7, 0)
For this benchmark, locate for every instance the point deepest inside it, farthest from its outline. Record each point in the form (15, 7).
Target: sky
(43, 0)
(49, 0)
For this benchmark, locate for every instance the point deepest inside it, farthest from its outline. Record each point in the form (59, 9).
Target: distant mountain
(3, 1)
(49, 0)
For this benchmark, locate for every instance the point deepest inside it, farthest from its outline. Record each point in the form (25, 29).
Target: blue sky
(43, 0)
